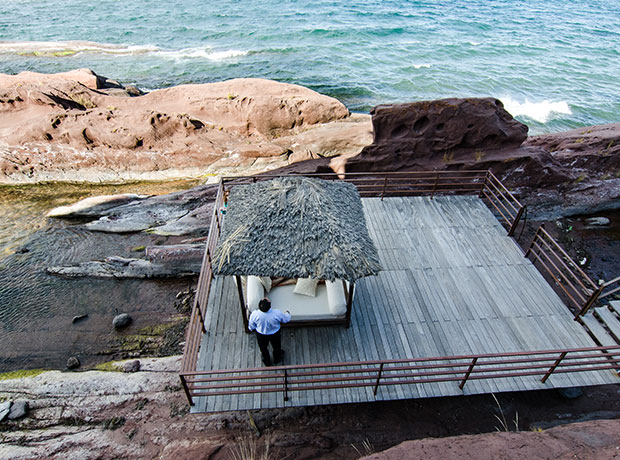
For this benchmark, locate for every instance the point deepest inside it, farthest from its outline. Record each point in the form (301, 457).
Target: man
(266, 322)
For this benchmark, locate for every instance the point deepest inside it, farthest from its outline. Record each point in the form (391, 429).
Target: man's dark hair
(264, 305)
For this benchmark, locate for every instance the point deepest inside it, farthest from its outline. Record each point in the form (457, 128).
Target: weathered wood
(453, 283)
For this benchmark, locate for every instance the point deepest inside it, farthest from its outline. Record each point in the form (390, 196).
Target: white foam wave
(202, 53)
(70, 48)
(539, 111)
(421, 66)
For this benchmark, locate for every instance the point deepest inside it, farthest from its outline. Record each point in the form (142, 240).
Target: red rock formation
(425, 133)
(80, 126)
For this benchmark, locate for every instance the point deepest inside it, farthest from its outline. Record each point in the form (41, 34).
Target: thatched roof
(296, 227)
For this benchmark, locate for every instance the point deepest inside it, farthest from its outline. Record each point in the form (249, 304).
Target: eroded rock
(94, 132)
(418, 130)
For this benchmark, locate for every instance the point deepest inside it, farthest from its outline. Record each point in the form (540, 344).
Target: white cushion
(336, 300)
(254, 292)
(266, 282)
(302, 308)
(306, 286)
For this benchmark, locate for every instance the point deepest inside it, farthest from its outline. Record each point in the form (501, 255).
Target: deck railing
(429, 183)
(381, 373)
(578, 288)
(196, 326)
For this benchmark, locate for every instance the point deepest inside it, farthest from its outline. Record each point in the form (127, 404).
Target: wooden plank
(603, 338)
(610, 320)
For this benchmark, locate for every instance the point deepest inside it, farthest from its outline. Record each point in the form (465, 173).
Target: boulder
(131, 366)
(437, 130)
(5, 409)
(121, 321)
(73, 362)
(18, 410)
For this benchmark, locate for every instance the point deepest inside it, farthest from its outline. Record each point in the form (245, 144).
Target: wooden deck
(453, 284)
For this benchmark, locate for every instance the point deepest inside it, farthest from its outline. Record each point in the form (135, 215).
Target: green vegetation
(21, 374)
(110, 366)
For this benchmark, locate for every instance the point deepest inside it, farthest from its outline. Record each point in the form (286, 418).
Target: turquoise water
(554, 63)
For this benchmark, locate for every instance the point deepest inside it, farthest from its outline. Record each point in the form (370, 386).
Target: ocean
(554, 63)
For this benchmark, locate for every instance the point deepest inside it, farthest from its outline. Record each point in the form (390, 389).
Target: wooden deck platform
(453, 283)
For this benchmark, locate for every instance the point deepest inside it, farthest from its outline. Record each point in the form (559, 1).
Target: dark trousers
(276, 343)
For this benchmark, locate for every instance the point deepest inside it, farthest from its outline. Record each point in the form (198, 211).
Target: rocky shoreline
(140, 412)
(82, 127)
(78, 126)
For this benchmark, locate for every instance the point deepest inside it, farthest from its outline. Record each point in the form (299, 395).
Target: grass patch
(21, 374)
(109, 366)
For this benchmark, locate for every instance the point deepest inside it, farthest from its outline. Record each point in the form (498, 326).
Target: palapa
(296, 227)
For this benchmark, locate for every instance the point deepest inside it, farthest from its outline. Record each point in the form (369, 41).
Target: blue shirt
(267, 323)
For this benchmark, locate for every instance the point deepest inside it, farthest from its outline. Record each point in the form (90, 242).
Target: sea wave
(71, 48)
(201, 53)
(539, 111)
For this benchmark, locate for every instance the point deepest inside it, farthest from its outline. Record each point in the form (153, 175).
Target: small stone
(78, 318)
(73, 362)
(121, 321)
(131, 366)
(5, 408)
(18, 410)
(598, 221)
(571, 393)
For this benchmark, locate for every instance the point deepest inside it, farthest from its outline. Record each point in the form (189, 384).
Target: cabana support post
(349, 303)
(242, 303)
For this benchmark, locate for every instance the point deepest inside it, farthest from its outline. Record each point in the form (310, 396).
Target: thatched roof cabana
(296, 227)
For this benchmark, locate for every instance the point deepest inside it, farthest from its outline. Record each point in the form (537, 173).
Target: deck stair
(604, 323)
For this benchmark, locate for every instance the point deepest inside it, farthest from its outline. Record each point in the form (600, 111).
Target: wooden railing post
(484, 185)
(513, 227)
(188, 393)
(435, 185)
(285, 385)
(378, 379)
(384, 187)
(593, 298)
(550, 371)
(468, 373)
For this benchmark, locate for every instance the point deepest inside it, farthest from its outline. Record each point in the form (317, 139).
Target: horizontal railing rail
(429, 183)
(610, 291)
(379, 373)
(503, 201)
(578, 288)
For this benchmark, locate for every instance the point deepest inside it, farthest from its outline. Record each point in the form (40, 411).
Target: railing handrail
(606, 284)
(378, 184)
(581, 291)
(375, 373)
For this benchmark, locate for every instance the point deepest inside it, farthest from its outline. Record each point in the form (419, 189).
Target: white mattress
(302, 307)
